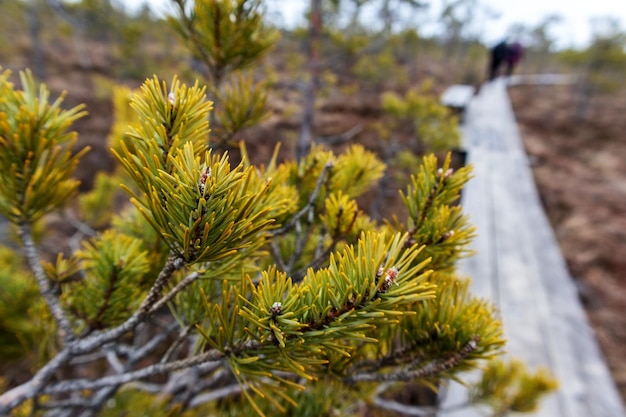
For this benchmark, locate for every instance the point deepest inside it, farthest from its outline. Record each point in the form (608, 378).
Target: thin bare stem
(152, 370)
(216, 395)
(179, 340)
(152, 300)
(48, 293)
(14, 397)
(184, 283)
(278, 259)
(154, 343)
(432, 368)
(310, 204)
(196, 43)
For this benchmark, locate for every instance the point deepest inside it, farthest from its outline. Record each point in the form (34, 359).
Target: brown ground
(581, 177)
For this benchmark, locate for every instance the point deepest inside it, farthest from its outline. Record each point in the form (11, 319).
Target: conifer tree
(271, 277)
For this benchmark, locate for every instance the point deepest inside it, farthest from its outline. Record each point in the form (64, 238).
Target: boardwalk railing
(518, 265)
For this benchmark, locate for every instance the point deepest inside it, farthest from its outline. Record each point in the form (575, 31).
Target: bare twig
(275, 252)
(14, 397)
(31, 389)
(301, 239)
(432, 368)
(45, 288)
(216, 395)
(184, 283)
(99, 399)
(114, 361)
(407, 410)
(152, 370)
(82, 227)
(154, 343)
(412, 410)
(181, 337)
(310, 204)
(196, 43)
(145, 387)
(341, 138)
(152, 300)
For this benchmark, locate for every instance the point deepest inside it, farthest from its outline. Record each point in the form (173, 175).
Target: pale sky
(574, 28)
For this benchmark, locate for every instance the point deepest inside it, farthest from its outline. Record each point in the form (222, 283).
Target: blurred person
(514, 54)
(499, 54)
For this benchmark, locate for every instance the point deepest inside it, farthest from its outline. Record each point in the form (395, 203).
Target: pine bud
(390, 276)
(172, 98)
(204, 175)
(447, 174)
(388, 280)
(276, 309)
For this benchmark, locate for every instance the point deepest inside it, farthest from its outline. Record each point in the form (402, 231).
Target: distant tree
(389, 17)
(305, 138)
(538, 41)
(603, 63)
(228, 36)
(463, 23)
(225, 35)
(35, 10)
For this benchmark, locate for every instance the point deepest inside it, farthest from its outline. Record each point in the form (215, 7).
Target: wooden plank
(518, 265)
(457, 96)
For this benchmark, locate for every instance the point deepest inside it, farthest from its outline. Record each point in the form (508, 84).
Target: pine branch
(275, 252)
(14, 397)
(433, 368)
(150, 304)
(153, 344)
(308, 209)
(179, 340)
(149, 371)
(48, 293)
(187, 281)
(216, 395)
(194, 36)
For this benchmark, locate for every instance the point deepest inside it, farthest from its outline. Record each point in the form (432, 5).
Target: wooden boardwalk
(518, 265)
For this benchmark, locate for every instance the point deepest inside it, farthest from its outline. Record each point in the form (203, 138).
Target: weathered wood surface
(458, 96)
(519, 265)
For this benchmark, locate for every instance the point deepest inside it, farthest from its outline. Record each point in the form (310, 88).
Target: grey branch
(432, 368)
(341, 138)
(152, 370)
(14, 397)
(45, 288)
(112, 380)
(97, 340)
(187, 281)
(308, 209)
(216, 395)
